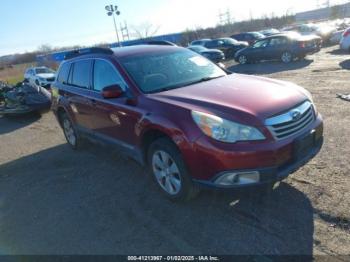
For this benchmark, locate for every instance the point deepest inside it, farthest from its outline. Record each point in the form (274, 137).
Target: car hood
(46, 75)
(257, 98)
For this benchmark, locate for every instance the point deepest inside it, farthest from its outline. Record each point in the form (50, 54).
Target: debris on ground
(344, 97)
(23, 98)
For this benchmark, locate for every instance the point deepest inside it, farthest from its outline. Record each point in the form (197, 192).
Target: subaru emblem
(295, 114)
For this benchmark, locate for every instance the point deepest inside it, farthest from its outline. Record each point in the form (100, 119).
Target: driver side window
(106, 75)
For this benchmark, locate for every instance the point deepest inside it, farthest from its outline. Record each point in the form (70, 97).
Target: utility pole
(125, 31)
(113, 11)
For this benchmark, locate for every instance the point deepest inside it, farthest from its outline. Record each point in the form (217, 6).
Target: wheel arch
(59, 112)
(149, 136)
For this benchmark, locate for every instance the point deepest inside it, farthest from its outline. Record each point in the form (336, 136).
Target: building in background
(331, 12)
(53, 59)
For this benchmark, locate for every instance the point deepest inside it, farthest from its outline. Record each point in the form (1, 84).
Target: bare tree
(144, 30)
(45, 48)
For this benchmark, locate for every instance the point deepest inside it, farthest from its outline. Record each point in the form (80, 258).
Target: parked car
(159, 42)
(345, 40)
(284, 47)
(41, 76)
(189, 121)
(227, 45)
(269, 32)
(200, 42)
(322, 30)
(249, 37)
(214, 55)
(336, 37)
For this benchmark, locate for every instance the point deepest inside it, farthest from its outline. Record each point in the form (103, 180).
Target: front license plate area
(303, 145)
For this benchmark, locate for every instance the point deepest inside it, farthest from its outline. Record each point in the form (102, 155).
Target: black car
(227, 45)
(249, 37)
(214, 55)
(284, 47)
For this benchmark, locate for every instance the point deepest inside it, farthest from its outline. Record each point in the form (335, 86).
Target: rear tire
(69, 131)
(169, 171)
(286, 57)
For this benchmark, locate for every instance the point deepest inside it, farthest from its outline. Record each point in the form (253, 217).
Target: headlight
(225, 130)
(309, 96)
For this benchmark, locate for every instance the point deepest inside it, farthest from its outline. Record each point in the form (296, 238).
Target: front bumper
(267, 175)
(272, 165)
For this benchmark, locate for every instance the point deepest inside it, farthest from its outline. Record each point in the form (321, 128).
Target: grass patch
(15, 74)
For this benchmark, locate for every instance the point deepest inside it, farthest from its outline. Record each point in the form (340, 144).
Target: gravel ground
(54, 200)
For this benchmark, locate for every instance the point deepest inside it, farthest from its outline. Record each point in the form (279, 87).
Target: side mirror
(113, 91)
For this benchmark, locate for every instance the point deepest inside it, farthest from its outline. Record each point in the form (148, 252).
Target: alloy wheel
(286, 57)
(166, 172)
(242, 59)
(69, 132)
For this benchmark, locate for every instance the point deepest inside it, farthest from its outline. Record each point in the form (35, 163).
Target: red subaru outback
(192, 123)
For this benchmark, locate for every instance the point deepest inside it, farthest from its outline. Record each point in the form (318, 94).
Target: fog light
(242, 178)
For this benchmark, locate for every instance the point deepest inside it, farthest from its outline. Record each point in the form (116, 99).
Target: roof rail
(86, 51)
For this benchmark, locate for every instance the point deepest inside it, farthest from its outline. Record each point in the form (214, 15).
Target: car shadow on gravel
(60, 201)
(12, 123)
(338, 52)
(265, 68)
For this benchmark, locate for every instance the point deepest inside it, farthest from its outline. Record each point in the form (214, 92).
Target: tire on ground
(188, 189)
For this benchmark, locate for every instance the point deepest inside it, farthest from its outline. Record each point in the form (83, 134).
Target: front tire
(242, 59)
(169, 171)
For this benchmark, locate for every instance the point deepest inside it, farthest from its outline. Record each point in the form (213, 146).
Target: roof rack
(86, 51)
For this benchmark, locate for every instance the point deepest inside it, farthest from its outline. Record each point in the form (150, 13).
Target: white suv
(41, 76)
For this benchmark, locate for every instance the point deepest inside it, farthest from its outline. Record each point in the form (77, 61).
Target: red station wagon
(190, 122)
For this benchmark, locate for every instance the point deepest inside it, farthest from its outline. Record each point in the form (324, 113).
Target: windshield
(43, 71)
(159, 72)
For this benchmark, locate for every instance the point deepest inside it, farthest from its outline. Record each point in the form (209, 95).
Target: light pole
(112, 11)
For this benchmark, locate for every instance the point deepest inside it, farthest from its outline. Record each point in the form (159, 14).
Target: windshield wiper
(204, 79)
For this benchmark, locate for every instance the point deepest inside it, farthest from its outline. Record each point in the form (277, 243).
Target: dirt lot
(57, 201)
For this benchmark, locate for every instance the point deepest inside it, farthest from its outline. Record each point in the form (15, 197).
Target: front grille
(51, 79)
(285, 125)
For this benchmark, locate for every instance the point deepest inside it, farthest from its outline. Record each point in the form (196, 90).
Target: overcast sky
(25, 25)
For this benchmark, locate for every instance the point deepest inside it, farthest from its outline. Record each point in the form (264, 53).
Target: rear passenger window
(63, 74)
(106, 75)
(278, 41)
(81, 74)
